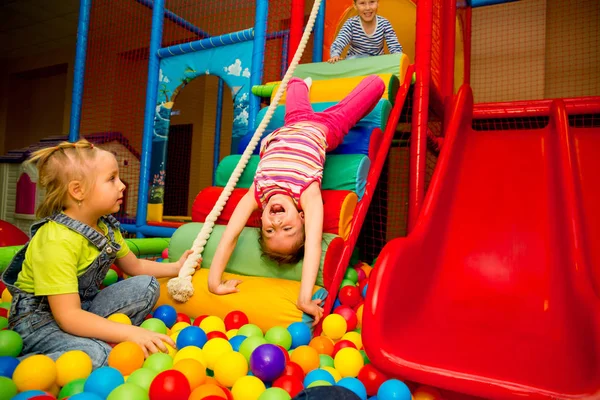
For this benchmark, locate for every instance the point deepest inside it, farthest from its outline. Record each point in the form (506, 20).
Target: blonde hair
(59, 165)
(293, 258)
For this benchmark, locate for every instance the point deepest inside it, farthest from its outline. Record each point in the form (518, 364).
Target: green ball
(159, 362)
(365, 357)
(5, 305)
(351, 275)
(3, 323)
(128, 391)
(110, 278)
(249, 344)
(8, 389)
(166, 260)
(279, 336)
(347, 282)
(319, 383)
(249, 330)
(155, 325)
(325, 361)
(11, 343)
(72, 388)
(142, 377)
(210, 372)
(274, 393)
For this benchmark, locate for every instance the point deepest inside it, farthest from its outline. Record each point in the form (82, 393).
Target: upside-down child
(55, 279)
(287, 186)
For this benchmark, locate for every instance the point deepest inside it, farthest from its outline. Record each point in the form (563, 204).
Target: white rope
(181, 288)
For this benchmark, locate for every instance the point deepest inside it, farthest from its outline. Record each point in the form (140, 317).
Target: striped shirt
(291, 158)
(353, 34)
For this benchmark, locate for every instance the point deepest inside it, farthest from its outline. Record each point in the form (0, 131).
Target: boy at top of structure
(287, 186)
(365, 34)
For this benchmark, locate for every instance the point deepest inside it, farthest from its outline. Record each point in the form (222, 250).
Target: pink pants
(339, 118)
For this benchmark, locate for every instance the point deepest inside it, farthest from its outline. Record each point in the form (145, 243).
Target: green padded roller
(386, 64)
(247, 258)
(147, 247)
(342, 172)
(377, 117)
(6, 255)
(263, 90)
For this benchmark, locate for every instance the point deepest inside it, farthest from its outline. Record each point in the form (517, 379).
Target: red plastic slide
(496, 292)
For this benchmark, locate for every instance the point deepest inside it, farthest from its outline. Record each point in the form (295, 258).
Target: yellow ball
(427, 393)
(174, 336)
(74, 364)
(230, 367)
(193, 352)
(334, 326)
(306, 357)
(35, 372)
(6, 296)
(231, 333)
(248, 388)
(193, 370)
(336, 375)
(179, 326)
(215, 349)
(172, 350)
(212, 323)
(348, 361)
(126, 357)
(120, 318)
(355, 338)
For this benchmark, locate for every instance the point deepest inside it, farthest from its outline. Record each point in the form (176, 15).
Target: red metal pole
(448, 47)
(296, 27)
(418, 143)
(467, 44)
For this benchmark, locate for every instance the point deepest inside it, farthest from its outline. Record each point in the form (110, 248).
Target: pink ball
(165, 253)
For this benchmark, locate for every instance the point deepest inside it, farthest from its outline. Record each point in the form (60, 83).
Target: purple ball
(267, 362)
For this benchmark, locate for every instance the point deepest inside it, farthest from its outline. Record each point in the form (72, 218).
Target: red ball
(4, 313)
(341, 345)
(290, 384)
(285, 353)
(181, 317)
(349, 296)
(372, 378)
(10, 235)
(227, 393)
(361, 273)
(235, 320)
(2, 287)
(43, 397)
(148, 316)
(216, 334)
(349, 315)
(170, 385)
(294, 370)
(199, 319)
(117, 270)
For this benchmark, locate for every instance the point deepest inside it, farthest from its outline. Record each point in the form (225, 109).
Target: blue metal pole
(319, 34)
(176, 19)
(258, 57)
(284, 53)
(208, 43)
(79, 69)
(151, 95)
(217, 148)
(483, 3)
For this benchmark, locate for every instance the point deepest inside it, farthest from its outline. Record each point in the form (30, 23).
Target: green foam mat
(385, 64)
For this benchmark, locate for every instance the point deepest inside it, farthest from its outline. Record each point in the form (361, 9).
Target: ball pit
(229, 358)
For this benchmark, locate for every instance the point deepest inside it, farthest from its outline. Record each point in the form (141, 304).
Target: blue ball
(393, 389)
(318, 375)
(103, 381)
(28, 394)
(372, 398)
(191, 336)
(166, 314)
(86, 396)
(336, 303)
(7, 366)
(301, 334)
(236, 342)
(364, 292)
(355, 385)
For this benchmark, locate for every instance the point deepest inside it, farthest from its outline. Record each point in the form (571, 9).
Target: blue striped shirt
(353, 34)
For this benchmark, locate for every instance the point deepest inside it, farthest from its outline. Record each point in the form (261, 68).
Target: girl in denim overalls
(55, 279)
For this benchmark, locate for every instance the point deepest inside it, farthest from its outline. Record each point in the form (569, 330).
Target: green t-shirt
(56, 257)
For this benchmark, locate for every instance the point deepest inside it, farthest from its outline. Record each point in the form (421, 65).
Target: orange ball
(359, 315)
(208, 389)
(193, 370)
(367, 269)
(306, 357)
(322, 344)
(126, 357)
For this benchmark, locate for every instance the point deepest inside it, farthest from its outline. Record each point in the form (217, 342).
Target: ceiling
(31, 27)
